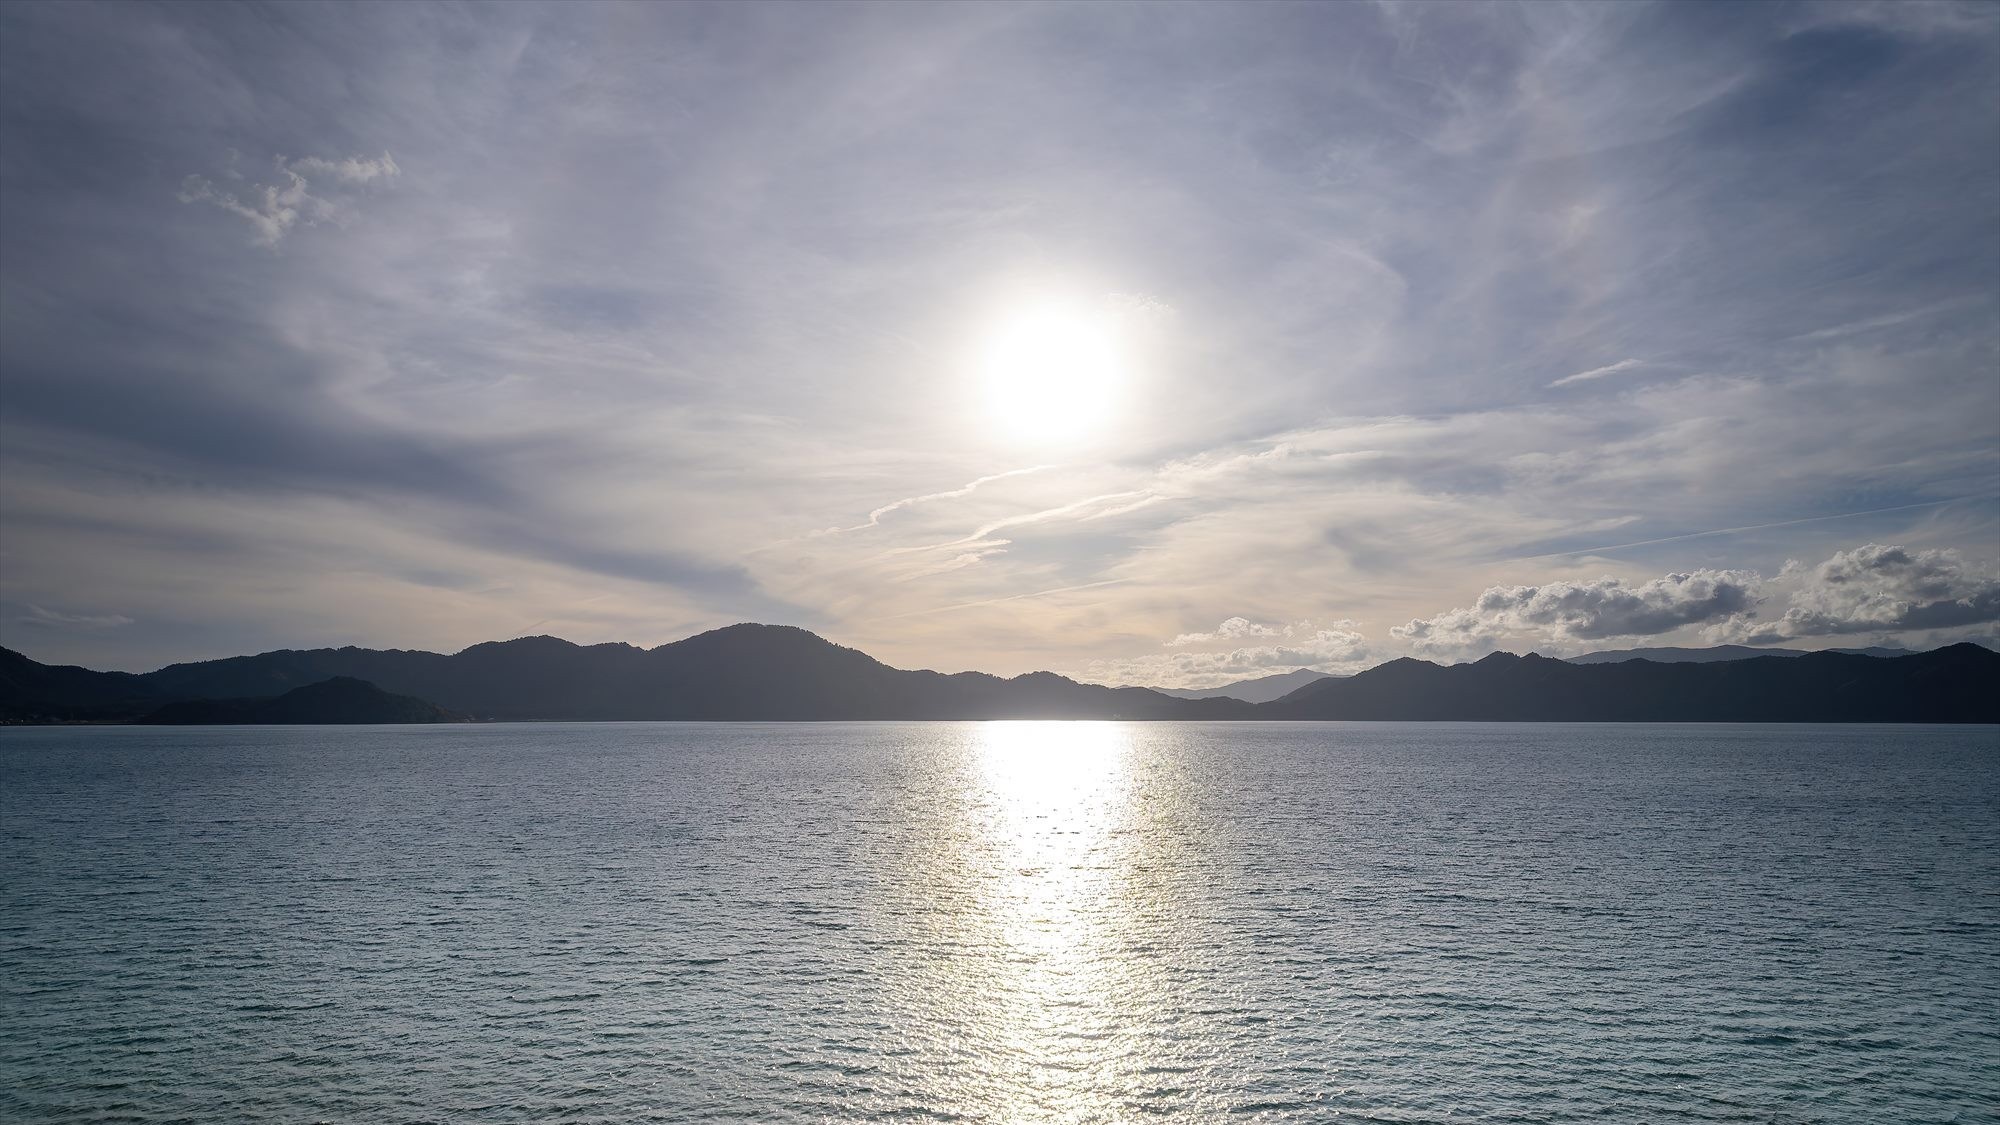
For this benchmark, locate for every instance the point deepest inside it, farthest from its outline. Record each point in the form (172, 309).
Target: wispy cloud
(609, 352)
(349, 170)
(1089, 508)
(1894, 319)
(55, 619)
(966, 489)
(1599, 372)
(1610, 548)
(1008, 599)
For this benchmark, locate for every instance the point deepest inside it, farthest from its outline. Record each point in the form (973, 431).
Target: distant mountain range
(779, 673)
(1263, 689)
(1951, 685)
(1712, 655)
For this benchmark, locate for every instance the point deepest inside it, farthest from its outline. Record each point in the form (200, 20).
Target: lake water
(1004, 922)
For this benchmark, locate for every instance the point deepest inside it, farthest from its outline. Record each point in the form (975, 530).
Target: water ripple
(1010, 922)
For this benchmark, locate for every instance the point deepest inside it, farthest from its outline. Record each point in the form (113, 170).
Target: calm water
(1059, 922)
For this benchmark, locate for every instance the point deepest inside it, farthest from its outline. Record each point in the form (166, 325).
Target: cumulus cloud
(1570, 611)
(1877, 588)
(1228, 630)
(1869, 589)
(272, 210)
(1336, 646)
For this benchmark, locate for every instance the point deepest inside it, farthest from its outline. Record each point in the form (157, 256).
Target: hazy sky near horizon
(1147, 343)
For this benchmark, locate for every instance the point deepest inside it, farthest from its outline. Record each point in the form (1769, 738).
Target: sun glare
(1051, 373)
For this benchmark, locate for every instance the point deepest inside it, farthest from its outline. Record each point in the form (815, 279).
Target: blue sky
(1439, 328)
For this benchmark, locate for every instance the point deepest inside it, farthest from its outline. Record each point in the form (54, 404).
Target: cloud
(645, 327)
(1584, 611)
(55, 619)
(1232, 628)
(1336, 646)
(1869, 589)
(1886, 589)
(1139, 308)
(1100, 507)
(350, 170)
(272, 210)
(966, 489)
(1599, 372)
(1890, 320)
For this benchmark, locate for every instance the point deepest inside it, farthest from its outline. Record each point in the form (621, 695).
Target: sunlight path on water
(1051, 809)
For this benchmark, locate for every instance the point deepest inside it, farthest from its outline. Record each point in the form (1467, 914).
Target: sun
(1050, 373)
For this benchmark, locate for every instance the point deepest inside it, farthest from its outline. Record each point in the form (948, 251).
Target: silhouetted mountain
(32, 692)
(1950, 685)
(1262, 689)
(768, 672)
(1710, 655)
(341, 699)
(743, 672)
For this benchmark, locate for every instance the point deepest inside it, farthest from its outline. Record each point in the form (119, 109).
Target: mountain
(1950, 685)
(1262, 689)
(1710, 655)
(770, 672)
(341, 699)
(743, 672)
(32, 692)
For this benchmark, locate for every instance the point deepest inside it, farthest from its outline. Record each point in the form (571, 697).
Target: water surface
(1034, 922)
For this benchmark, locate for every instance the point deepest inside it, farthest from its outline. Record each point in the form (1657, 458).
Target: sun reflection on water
(1060, 982)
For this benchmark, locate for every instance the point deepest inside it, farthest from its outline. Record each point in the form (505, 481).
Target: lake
(1004, 922)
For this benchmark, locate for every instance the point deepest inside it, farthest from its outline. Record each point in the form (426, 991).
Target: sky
(1159, 344)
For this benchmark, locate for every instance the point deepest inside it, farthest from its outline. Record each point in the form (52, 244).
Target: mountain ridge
(752, 672)
(739, 672)
(1950, 684)
(1257, 689)
(1714, 653)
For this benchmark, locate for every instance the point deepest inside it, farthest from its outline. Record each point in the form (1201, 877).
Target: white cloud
(1875, 589)
(1333, 647)
(966, 489)
(1599, 372)
(1137, 307)
(1345, 415)
(1584, 611)
(1885, 589)
(350, 169)
(273, 210)
(1230, 629)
